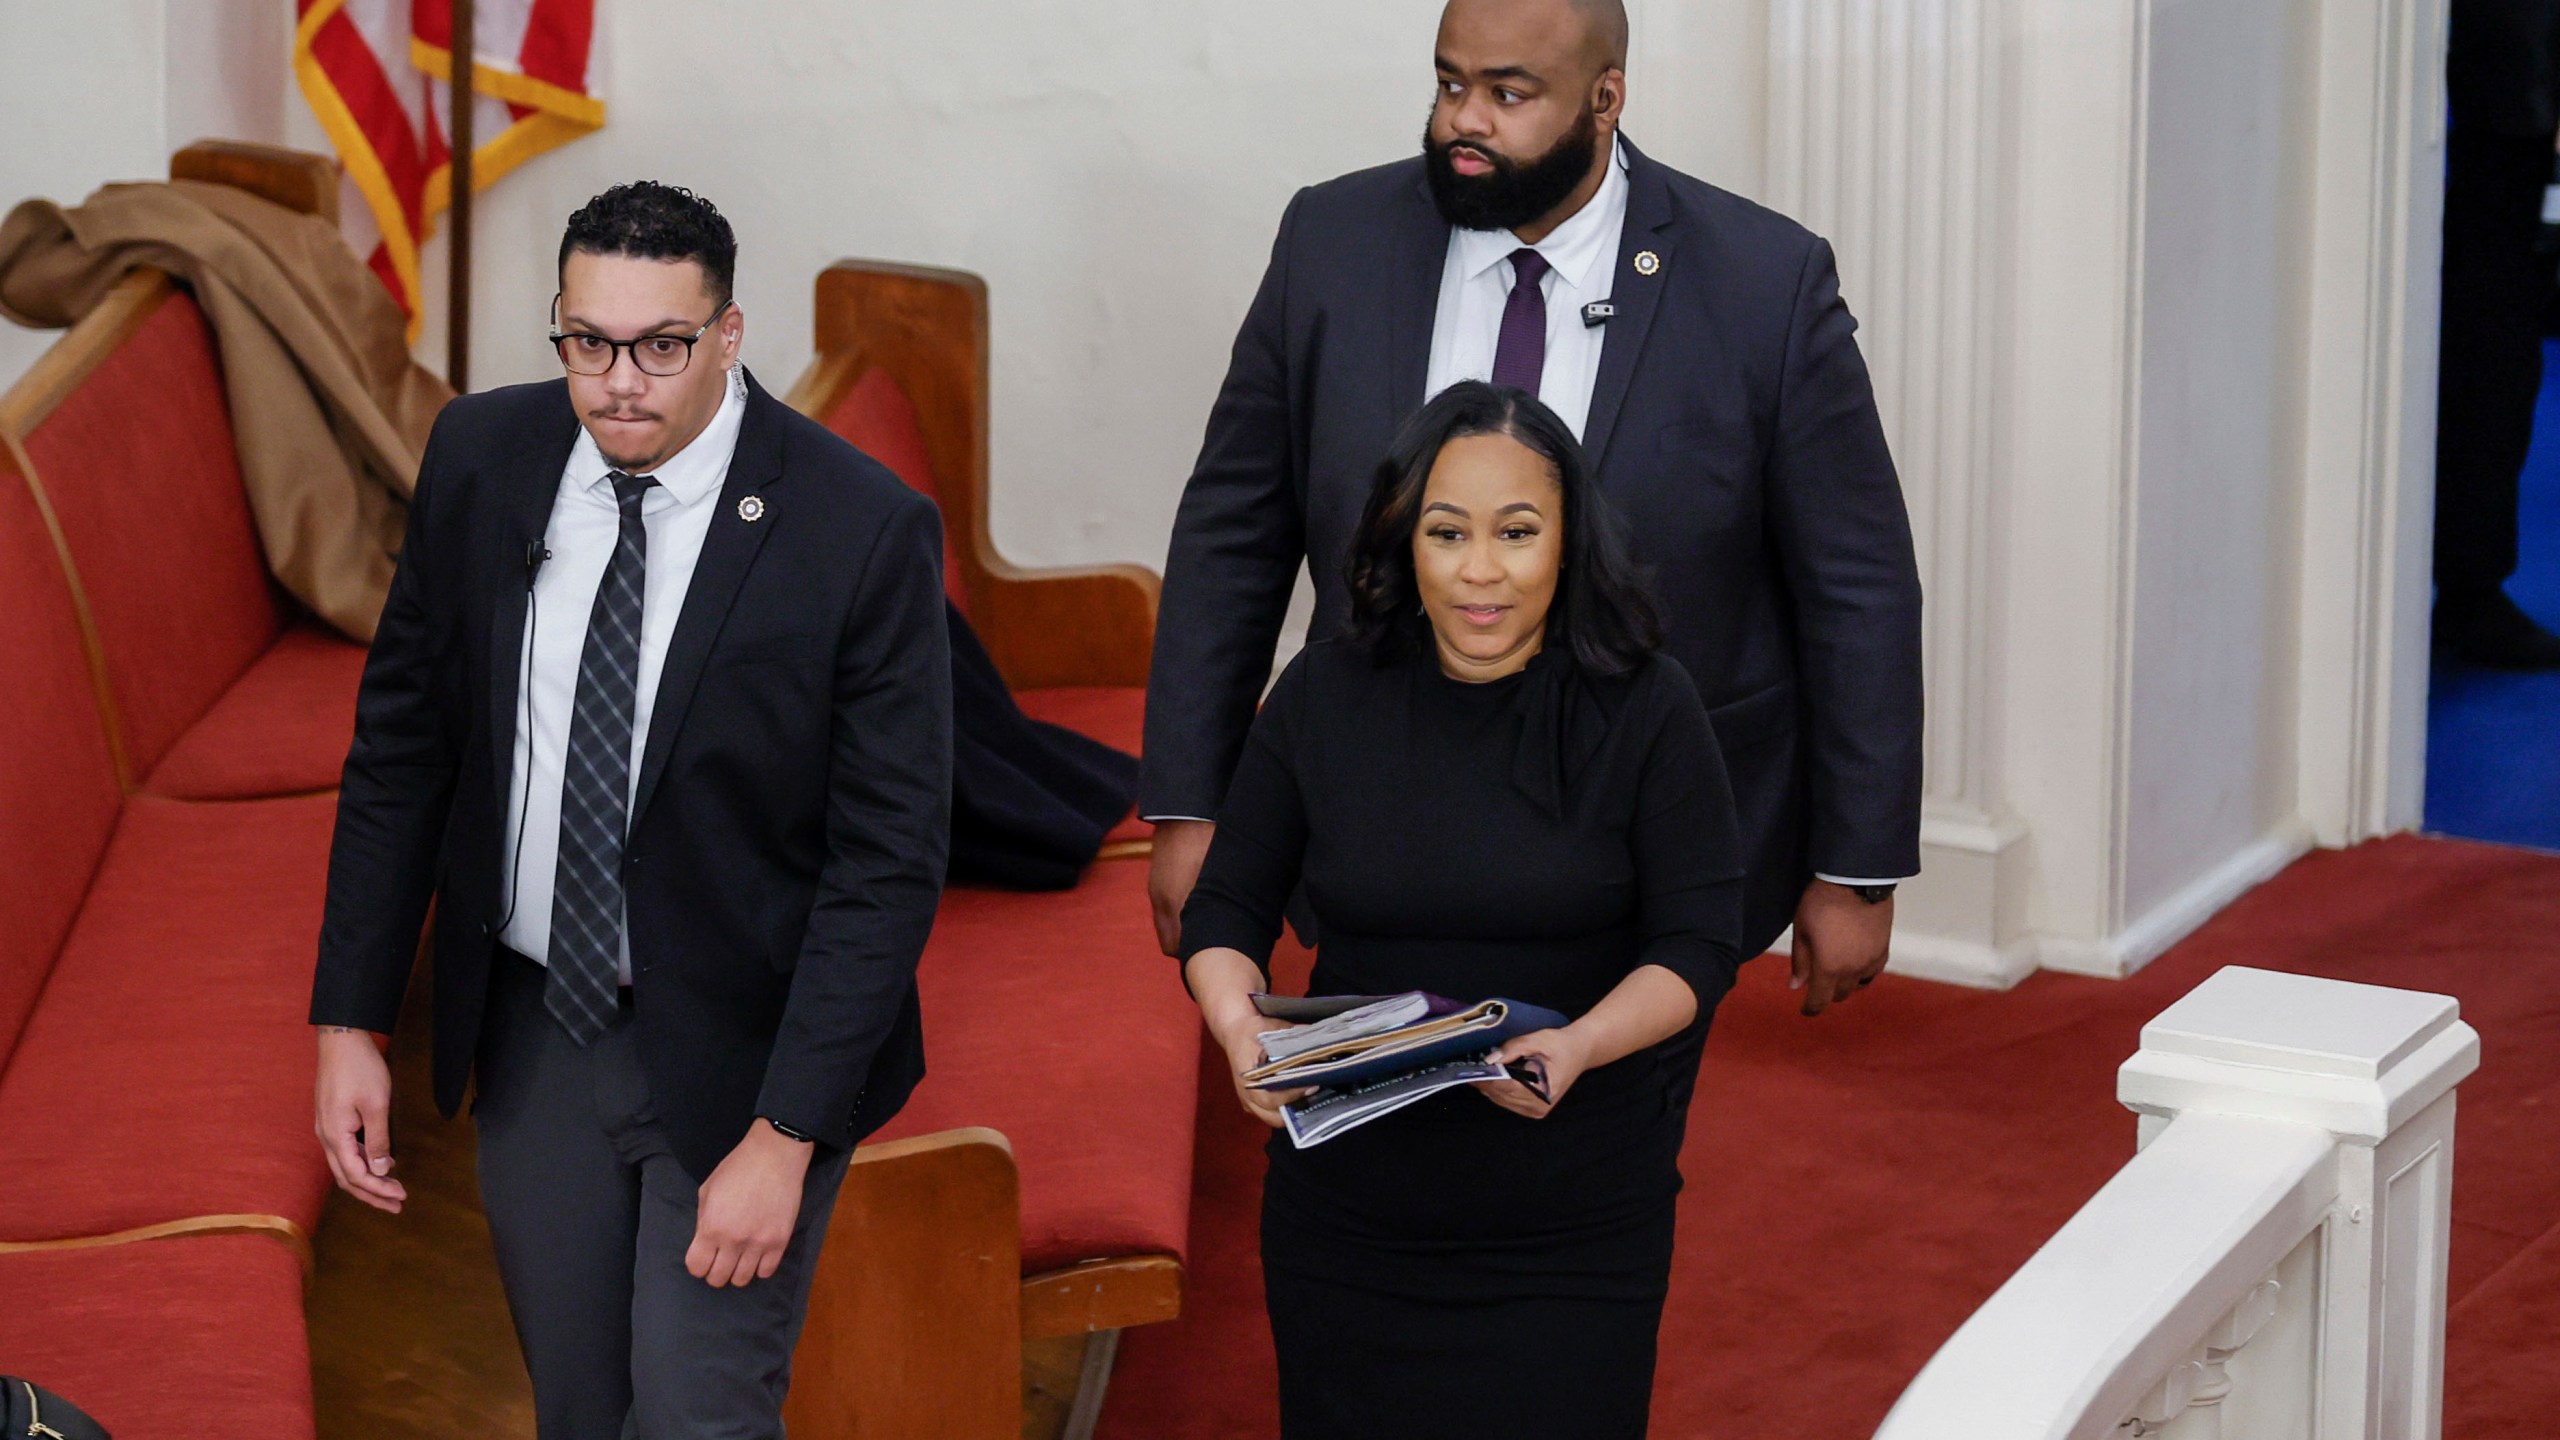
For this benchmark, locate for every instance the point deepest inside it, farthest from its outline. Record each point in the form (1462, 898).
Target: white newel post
(2376, 1069)
(2271, 1263)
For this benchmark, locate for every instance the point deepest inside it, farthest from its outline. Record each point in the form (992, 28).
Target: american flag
(378, 75)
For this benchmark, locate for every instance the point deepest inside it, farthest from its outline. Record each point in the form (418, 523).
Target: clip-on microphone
(535, 553)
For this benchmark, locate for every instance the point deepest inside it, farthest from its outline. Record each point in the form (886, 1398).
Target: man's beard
(1514, 193)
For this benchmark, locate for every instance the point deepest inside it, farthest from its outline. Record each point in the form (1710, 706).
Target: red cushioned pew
(1038, 1185)
(172, 729)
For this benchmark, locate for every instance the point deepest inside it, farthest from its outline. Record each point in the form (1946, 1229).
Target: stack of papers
(1371, 1055)
(1332, 1110)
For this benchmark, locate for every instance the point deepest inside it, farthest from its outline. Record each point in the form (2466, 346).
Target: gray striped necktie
(595, 788)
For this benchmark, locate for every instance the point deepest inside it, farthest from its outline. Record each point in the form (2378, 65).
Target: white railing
(2270, 1264)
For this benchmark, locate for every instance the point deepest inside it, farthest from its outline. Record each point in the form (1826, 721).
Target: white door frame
(2369, 417)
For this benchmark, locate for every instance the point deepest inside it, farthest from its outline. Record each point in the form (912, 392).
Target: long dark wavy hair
(1602, 615)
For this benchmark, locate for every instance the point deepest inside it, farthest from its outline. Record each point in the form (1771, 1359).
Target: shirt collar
(1572, 248)
(692, 474)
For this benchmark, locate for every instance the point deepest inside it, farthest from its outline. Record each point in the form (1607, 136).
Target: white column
(1887, 131)
(2140, 287)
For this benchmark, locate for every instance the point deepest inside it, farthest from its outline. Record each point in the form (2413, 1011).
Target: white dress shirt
(585, 526)
(1475, 283)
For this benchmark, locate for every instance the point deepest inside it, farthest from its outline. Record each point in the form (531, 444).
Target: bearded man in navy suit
(1699, 346)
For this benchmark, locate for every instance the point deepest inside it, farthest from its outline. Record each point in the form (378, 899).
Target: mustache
(1496, 159)
(612, 413)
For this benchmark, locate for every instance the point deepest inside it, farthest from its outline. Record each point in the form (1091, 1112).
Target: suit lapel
(525, 494)
(1636, 294)
(1418, 250)
(728, 553)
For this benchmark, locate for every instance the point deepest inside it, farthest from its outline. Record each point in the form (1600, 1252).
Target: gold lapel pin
(751, 509)
(1647, 262)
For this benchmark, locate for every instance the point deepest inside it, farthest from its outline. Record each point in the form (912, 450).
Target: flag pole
(461, 48)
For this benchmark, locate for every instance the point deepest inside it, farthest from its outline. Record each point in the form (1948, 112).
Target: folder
(1444, 1031)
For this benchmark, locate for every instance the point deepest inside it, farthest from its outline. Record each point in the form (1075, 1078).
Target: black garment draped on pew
(1030, 801)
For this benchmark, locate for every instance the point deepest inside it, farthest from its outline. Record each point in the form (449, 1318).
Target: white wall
(2211, 712)
(226, 66)
(84, 102)
(1115, 168)
(105, 90)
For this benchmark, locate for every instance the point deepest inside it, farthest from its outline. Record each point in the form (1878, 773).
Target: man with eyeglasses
(659, 717)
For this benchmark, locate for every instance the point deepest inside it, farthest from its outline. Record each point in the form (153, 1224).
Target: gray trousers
(591, 1215)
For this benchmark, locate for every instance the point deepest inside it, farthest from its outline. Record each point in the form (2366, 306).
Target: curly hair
(1602, 615)
(649, 221)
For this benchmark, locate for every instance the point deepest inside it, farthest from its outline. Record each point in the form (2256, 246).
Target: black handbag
(26, 1411)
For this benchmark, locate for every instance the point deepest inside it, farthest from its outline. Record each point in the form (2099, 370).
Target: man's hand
(744, 1213)
(352, 1106)
(1181, 845)
(1841, 944)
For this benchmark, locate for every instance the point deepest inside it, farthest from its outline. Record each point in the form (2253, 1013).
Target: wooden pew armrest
(1111, 1294)
(1085, 625)
(915, 1313)
(919, 1307)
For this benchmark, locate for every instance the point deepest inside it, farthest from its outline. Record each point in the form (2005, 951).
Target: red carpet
(1860, 1183)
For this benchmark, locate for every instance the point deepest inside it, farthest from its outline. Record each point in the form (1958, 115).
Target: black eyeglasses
(659, 355)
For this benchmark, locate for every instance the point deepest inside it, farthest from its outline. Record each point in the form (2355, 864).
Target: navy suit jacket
(1732, 426)
(789, 831)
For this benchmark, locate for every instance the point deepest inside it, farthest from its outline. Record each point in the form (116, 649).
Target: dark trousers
(591, 1216)
(2489, 368)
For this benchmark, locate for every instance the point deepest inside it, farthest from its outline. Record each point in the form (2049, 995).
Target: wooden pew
(193, 1285)
(925, 329)
(921, 1306)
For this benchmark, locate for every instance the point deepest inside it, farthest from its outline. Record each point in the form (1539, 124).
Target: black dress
(1454, 1269)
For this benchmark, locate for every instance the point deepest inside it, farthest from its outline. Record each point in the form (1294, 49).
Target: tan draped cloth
(330, 413)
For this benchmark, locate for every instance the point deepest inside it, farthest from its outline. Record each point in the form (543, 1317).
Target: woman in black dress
(1492, 786)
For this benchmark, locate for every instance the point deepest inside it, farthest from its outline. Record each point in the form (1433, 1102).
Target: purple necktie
(1520, 356)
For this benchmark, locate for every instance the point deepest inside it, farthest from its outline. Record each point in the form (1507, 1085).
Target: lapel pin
(751, 509)
(1647, 262)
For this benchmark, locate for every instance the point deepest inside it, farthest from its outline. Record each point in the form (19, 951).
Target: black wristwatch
(1872, 894)
(786, 1132)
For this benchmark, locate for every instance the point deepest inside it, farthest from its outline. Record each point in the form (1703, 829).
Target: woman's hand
(1223, 982)
(1561, 1054)
(1648, 1007)
(1244, 1052)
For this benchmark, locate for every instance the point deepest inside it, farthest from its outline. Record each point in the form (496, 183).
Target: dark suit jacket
(2502, 67)
(1732, 425)
(788, 833)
